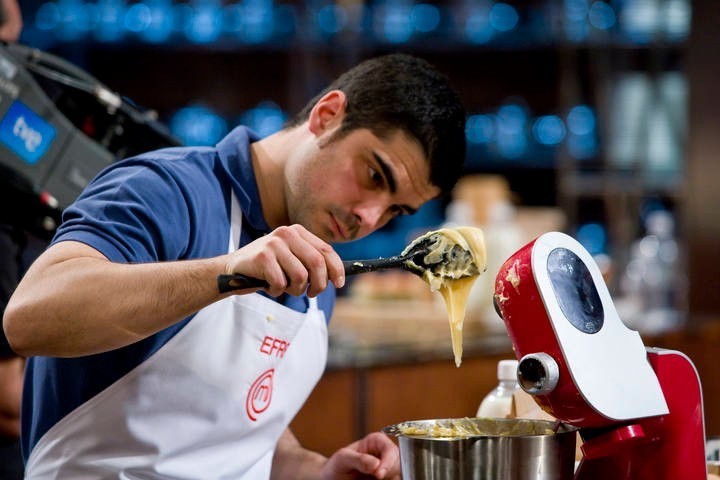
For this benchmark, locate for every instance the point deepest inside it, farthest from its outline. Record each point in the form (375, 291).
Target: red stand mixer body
(639, 409)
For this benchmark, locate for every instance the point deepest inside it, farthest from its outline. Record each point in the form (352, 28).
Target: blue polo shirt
(170, 204)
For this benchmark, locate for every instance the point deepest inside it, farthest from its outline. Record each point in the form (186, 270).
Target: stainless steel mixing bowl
(485, 449)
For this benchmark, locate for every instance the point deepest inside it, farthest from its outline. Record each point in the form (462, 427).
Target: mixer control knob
(538, 373)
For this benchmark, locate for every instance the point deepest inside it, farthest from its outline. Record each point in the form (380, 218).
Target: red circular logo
(260, 394)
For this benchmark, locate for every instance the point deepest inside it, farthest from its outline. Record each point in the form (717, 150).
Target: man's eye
(375, 177)
(396, 211)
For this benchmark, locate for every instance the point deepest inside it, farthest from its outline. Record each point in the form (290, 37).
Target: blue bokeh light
(205, 24)
(593, 237)
(138, 18)
(265, 119)
(602, 16)
(110, 15)
(198, 125)
(503, 17)
(549, 130)
(47, 16)
(154, 22)
(581, 120)
(575, 22)
(75, 19)
(425, 17)
(393, 23)
(258, 21)
(477, 26)
(331, 19)
(480, 128)
(575, 10)
(511, 121)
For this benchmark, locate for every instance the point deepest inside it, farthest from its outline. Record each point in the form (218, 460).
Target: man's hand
(375, 456)
(290, 259)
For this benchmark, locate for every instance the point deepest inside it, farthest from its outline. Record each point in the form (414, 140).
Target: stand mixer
(639, 409)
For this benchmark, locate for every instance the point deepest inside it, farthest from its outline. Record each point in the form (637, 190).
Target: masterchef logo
(260, 395)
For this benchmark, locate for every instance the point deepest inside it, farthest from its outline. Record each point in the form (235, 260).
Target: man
(141, 368)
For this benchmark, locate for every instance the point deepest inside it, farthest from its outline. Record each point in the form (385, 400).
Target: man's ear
(328, 112)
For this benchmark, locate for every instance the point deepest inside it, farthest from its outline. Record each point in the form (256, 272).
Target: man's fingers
(363, 462)
(292, 260)
(321, 261)
(333, 262)
(381, 446)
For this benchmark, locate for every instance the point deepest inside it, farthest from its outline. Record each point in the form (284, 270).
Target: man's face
(347, 188)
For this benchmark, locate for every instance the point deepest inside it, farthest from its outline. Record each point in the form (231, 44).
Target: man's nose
(370, 214)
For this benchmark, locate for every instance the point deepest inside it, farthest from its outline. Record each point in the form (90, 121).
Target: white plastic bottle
(498, 403)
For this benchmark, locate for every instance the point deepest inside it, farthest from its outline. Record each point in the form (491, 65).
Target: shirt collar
(234, 153)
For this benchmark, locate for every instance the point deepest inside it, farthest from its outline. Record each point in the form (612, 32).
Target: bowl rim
(395, 429)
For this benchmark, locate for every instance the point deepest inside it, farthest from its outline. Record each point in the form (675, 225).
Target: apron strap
(312, 303)
(235, 223)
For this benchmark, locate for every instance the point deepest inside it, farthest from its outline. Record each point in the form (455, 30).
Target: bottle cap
(507, 370)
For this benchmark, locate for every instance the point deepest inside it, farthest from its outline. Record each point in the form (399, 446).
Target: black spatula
(414, 259)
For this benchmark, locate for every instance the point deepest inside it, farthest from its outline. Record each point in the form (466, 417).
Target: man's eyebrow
(387, 172)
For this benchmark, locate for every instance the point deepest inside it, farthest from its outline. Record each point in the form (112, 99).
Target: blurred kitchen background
(593, 117)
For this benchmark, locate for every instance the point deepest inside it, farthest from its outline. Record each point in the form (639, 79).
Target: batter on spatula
(454, 260)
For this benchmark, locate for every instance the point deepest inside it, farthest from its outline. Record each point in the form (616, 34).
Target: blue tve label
(25, 132)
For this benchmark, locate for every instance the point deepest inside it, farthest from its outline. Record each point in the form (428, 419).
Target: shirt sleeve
(132, 212)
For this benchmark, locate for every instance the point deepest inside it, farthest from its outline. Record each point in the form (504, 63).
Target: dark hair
(399, 91)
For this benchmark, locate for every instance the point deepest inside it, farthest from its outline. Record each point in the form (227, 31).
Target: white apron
(209, 404)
